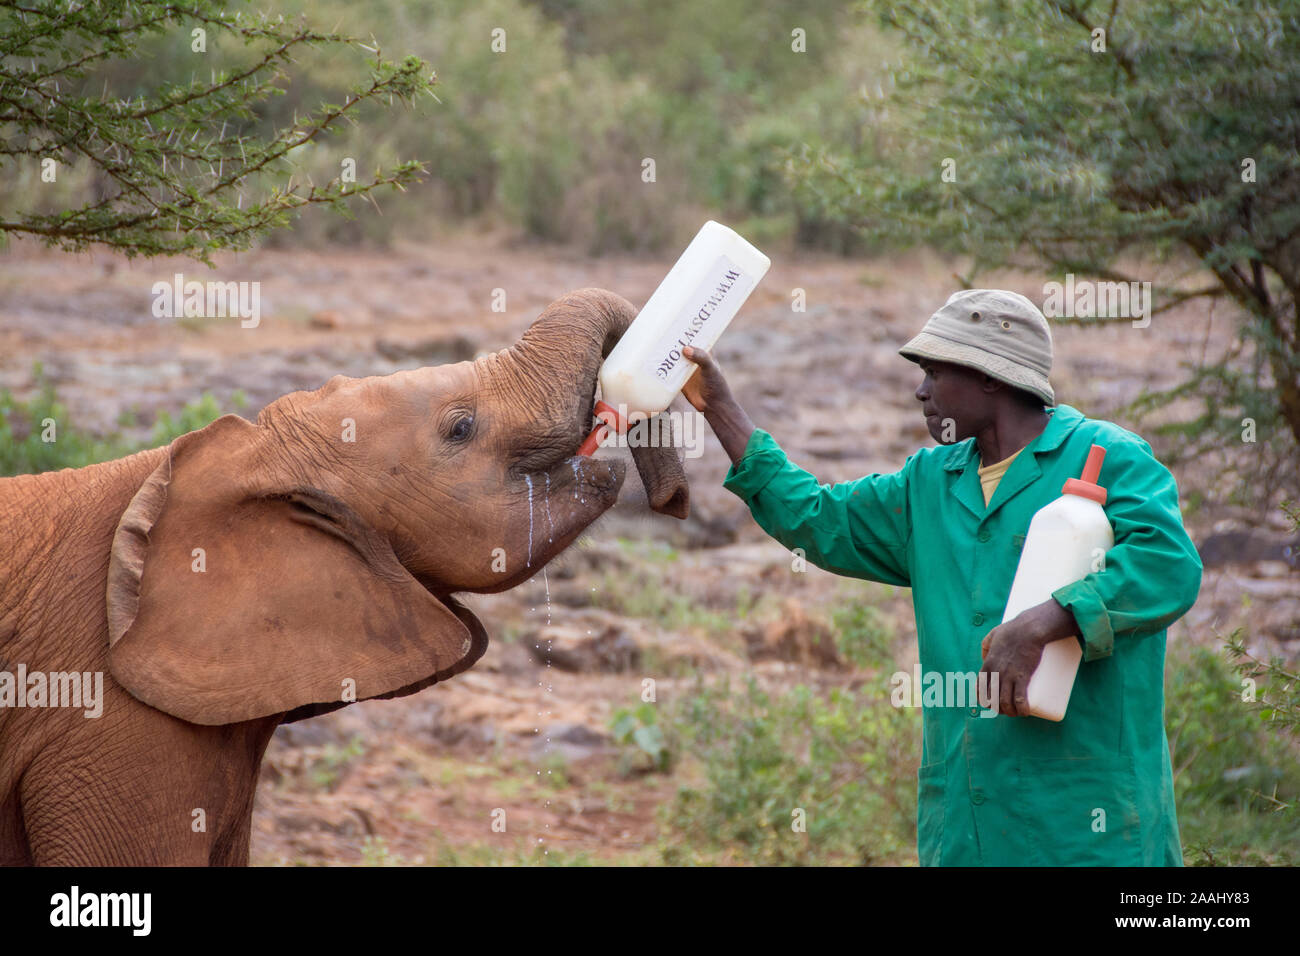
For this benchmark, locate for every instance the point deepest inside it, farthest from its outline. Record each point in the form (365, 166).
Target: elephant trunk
(556, 363)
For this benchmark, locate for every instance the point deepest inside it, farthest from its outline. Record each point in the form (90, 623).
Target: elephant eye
(461, 429)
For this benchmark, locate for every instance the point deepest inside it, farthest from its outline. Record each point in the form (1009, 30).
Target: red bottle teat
(609, 418)
(1086, 486)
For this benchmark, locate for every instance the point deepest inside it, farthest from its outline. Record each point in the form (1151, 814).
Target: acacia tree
(1089, 133)
(182, 167)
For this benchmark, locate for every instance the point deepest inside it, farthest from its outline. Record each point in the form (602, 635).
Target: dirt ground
(423, 779)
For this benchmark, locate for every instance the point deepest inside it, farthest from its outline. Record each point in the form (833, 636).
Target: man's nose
(923, 390)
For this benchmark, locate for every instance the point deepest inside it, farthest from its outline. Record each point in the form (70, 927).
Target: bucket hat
(1000, 333)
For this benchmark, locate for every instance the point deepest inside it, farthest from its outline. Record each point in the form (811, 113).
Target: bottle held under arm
(1066, 541)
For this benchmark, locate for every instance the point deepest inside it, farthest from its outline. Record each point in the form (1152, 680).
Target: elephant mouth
(554, 371)
(563, 503)
(560, 504)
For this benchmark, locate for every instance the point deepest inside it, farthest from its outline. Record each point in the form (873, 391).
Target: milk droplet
(550, 526)
(529, 479)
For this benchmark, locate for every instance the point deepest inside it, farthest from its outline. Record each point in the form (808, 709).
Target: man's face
(955, 400)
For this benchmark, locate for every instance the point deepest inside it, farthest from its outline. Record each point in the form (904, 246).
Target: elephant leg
(97, 837)
(73, 831)
(180, 796)
(13, 841)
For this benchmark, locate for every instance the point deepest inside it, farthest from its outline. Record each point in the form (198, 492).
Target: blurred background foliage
(37, 434)
(549, 136)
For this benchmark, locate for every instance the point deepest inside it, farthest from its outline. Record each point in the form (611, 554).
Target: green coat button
(984, 534)
(977, 619)
(977, 798)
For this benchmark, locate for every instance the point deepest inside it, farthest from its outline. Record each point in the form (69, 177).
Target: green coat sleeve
(1152, 575)
(855, 528)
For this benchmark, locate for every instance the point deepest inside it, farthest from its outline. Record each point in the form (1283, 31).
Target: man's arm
(709, 392)
(858, 528)
(1152, 575)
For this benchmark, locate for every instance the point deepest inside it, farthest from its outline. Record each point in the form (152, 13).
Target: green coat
(1093, 789)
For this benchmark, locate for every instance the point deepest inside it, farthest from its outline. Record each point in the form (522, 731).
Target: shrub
(1236, 780)
(37, 435)
(843, 762)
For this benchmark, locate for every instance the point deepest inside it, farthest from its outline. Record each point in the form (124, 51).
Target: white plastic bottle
(692, 306)
(1066, 541)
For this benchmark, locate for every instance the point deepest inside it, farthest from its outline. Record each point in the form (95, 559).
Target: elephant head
(297, 564)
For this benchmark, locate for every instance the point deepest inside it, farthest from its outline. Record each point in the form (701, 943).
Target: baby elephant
(249, 575)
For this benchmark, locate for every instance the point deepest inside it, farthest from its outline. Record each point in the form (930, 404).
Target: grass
(652, 596)
(523, 852)
(861, 634)
(795, 777)
(328, 769)
(647, 550)
(442, 771)
(39, 434)
(375, 852)
(1237, 781)
(552, 772)
(508, 788)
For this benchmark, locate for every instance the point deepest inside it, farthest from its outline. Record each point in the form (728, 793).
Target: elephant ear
(230, 598)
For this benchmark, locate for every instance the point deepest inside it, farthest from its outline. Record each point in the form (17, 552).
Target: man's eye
(460, 431)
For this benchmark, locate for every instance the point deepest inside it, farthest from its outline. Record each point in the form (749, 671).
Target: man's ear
(232, 597)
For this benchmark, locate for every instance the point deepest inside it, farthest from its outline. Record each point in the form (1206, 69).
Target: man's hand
(706, 388)
(708, 391)
(1013, 649)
